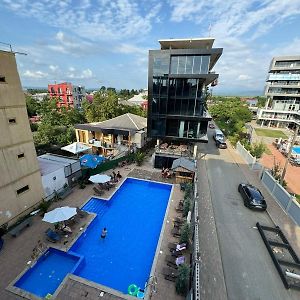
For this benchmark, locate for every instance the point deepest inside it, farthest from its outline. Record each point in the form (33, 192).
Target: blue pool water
(133, 218)
(296, 149)
(49, 271)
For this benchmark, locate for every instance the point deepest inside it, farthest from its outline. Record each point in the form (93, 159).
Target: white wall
(50, 185)
(140, 139)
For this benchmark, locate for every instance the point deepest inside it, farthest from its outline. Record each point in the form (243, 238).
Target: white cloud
(34, 74)
(84, 74)
(53, 68)
(114, 19)
(244, 77)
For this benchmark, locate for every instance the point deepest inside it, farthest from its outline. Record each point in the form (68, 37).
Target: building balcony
(283, 77)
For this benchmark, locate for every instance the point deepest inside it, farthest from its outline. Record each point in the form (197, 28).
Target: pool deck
(18, 252)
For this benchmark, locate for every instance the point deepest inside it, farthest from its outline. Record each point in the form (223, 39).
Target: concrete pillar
(269, 125)
(277, 125)
(195, 152)
(157, 142)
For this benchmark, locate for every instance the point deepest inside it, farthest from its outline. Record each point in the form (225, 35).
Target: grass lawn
(270, 133)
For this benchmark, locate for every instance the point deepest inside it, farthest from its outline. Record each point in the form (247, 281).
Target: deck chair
(170, 274)
(178, 220)
(52, 236)
(177, 247)
(174, 262)
(176, 232)
(97, 192)
(179, 207)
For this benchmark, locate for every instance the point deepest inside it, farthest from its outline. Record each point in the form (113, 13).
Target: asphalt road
(248, 269)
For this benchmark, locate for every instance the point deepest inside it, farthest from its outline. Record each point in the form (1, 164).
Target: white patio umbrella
(59, 214)
(76, 148)
(100, 178)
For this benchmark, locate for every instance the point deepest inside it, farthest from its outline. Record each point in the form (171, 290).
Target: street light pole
(289, 154)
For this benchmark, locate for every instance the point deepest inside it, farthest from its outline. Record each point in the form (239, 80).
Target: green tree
(261, 101)
(57, 125)
(231, 114)
(32, 106)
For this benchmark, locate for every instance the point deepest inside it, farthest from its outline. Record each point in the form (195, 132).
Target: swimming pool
(133, 218)
(296, 150)
(46, 275)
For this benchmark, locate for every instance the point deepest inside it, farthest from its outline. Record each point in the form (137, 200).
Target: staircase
(96, 206)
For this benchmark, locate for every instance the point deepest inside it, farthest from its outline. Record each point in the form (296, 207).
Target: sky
(106, 42)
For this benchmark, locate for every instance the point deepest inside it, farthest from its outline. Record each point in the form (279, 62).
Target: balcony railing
(284, 77)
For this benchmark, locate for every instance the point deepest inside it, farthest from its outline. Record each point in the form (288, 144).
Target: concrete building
(58, 172)
(178, 76)
(68, 95)
(20, 181)
(177, 79)
(283, 93)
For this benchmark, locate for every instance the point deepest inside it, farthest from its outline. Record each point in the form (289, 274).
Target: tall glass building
(178, 76)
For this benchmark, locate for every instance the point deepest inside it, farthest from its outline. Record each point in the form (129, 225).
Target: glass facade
(194, 64)
(176, 105)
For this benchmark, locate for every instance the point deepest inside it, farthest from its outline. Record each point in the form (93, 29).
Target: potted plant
(182, 281)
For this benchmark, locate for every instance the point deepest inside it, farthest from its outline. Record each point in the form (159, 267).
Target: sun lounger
(52, 236)
(178, 220)
(176, 232)
(177, 247)
(170, 274)
(97, 192)
(174, 262)
(179, 208)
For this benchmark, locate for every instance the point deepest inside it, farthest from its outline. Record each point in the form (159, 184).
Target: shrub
(185, 233)
(139, 158)
(182, 281)
(186, 206)
(188, 190)
(258, 149)
(44, 206)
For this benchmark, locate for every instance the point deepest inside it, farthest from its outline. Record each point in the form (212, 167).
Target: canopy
(91, 161)
(76, 148)
(100, 178)
(60, 214)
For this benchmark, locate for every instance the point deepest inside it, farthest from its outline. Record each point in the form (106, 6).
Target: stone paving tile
(292, 176)
(18, 251)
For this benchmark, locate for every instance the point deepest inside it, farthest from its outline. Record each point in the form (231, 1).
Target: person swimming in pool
(103, 233)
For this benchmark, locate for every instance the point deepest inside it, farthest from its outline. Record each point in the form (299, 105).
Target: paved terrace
(17, 252)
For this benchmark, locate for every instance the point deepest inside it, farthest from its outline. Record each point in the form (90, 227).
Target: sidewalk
(278, 216)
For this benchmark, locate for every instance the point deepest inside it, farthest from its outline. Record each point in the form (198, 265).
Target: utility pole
(289, 154)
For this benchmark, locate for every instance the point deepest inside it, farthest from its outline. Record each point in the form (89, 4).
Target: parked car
(218, 135)
(252, 196)
(295, 161)
(211, 125)
(221, 144)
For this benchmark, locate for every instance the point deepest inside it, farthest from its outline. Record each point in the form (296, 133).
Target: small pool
(133, 218)
(47, 274)
(296, 150)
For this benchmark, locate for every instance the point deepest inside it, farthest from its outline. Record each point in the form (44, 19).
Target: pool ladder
(151, 284)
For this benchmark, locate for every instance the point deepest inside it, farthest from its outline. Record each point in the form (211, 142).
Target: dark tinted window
(254, 193)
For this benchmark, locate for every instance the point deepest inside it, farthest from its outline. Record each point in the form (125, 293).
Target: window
(12, 121)
(2, 79)
(23, 189)
(21, 155)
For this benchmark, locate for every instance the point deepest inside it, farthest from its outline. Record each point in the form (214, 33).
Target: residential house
(114, 137)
